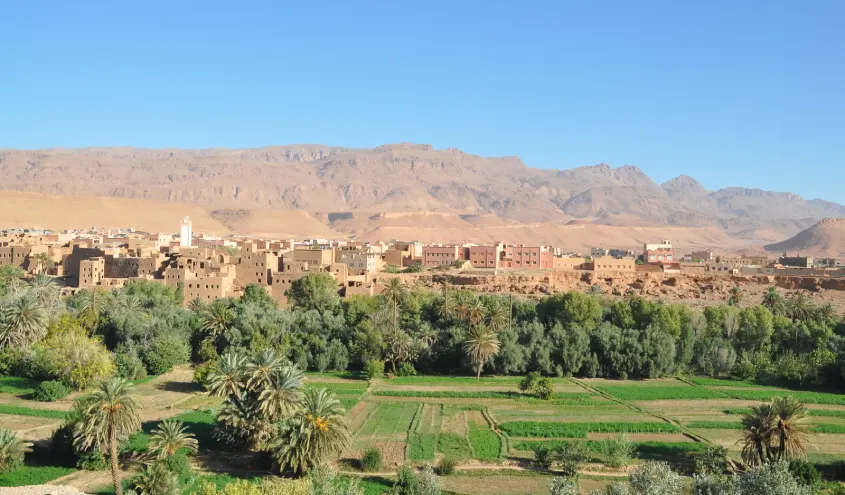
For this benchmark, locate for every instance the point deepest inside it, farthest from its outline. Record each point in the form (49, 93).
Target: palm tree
(156, 479)
(262, 369)
(800, 307)
(110, 415)
(826, 313)
(196, 306)
(92, 306)
(228, 378)
(394, 291)
(315, 433)
(595, 290)
(170, 437)
(280, 395)
(427, 335)
(480, 346)
(498, 316)
(23, 322)
(448, 307)
(474, 313)
(774, 302)
(217, 318)
(736, 296)
(757, 435)
(399, 346)
(41, 263)
(789, 430)
(45, 291)
(12, 450)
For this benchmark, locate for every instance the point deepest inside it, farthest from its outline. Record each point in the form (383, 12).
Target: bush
(68, 354)
(406, 483)
(201, 372)
(714, 460)
(177, 463)
(563, 486)
(156, 479)
(544, 389)
(447, 466)
(164, 353)
(406, 369)
(569, 456)
(529, 382)
(656, 478)
(371, 460)
(805, 473)
(12, 451)
(50, 390)
(374, 368)
(618, 451)
(129, 366)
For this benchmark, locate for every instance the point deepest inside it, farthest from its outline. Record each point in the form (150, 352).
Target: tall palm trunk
(478, 376)
(760, 453)
(115, 468)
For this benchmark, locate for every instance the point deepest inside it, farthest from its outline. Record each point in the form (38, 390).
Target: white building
(185, 233)
(359, 260)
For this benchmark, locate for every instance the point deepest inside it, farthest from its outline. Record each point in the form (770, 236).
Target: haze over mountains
(397, 190)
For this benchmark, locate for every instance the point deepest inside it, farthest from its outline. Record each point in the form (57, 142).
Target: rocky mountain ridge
(403, 178)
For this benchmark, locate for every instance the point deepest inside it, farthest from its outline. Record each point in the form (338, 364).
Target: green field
(580, 430)
(671, 392)
(29, 411)
(17, 386)
(33, 475)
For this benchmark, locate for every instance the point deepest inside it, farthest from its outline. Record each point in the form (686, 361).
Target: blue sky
(731, 92)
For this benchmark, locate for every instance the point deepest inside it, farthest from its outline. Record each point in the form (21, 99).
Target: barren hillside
(826, 238)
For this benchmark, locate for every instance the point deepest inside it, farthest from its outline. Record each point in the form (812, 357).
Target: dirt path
(88, 481)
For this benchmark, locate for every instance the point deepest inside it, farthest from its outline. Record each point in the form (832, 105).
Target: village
(208, 267)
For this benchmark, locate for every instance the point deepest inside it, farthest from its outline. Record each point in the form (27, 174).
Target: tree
(156, 479)
(227, 380)
(316, 432)
(571, 308)
(774, 302)
(481, 345)
(736, 296)
(800, 307)
(394, 292)
(70, 355)
(789, 429)
(110, 414)
(498, 316)
(771, 479)
(93, 303)
(170, 437)
(196, 306)
(217, 318)
(314, 291)
(12, 451)
(655, 478)
(562, 485)
(757, 428)
(23, 322)
(399, 347)
(41, 263)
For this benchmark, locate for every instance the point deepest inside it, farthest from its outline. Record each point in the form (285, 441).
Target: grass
(670, 392)
(715, 425)
(486, 445)
(822, 413)
(563, 398)
(201, 424)
(580, 430)
(828, 428)
(348, 404)
(33, 475)
(454, 380)
(722, 382)
(421, 446)
(390, 419)
(28, 411)
(17, 385)
(805, 397)
(453, 445)
(644, 449)
(146, 379)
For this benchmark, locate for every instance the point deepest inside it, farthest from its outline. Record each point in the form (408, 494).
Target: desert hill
(394, 187)
(826, 238)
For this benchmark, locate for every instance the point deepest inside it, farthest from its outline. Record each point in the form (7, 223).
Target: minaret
(185, 233)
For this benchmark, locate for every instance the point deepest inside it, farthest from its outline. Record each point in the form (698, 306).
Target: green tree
(12, 451)
(757, 428)
(735, 297)
(22, 322)
(774, 302)
(110, 415)
(800, 307)
(756, 325)
(789, 427)
(156, 479)
(571, 308)
(170, 437)
(41, 263)
(217, 318)
(481, 345)
(316, 432)
(655, 478)
(315, 291)
(393, 293)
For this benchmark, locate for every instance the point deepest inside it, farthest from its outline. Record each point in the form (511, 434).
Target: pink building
(526, 257)
(442, 255)
(485, 256)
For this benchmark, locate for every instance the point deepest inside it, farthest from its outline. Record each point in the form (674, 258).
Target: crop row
(485, 443)
(643, 449)
(669, 392)
(722, 382)
(824, 413)
(563, 398)
(805, 397)
(580, 430)
(726, 425)
(28, 411)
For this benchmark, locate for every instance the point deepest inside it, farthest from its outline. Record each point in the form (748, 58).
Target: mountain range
(368, 192)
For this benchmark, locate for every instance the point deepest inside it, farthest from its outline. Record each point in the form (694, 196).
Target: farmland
(488, 426)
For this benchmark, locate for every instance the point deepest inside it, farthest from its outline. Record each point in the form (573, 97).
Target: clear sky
(731, 92)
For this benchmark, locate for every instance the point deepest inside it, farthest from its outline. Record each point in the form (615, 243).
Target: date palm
(22, 322)
(156, 479)
(394, 292)
(261, 370)
(498, 316)
(196, 306)
(170, 437)
(41, 263)
(774, 302)
(110, 414)
(789, 428)
(481, 345)
(399, 347)
(217, 318)
(314, 434)
(229, 377)
(757, 429)
(800, 307)
(278, 396)
(92, 307)
(474, 313)
(12, 450)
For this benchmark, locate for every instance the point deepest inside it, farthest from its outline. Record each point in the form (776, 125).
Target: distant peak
(683, 183)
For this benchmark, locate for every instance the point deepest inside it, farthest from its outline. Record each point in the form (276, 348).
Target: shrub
(177, 463)
(428, 483)
(12, 451)
(656, 478)
(563, 486)
(371, 460)
(374, 368)
(406, 369)
(406, 483)
(571, 457)
(805, 473)
(50, 390)
(129, 366)
(69, 355)
(618, 451)
(447, 466)
(527, 384)
(714, 460)
(201, 372)
(156, 479)
(164, 353)
(544, 389)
